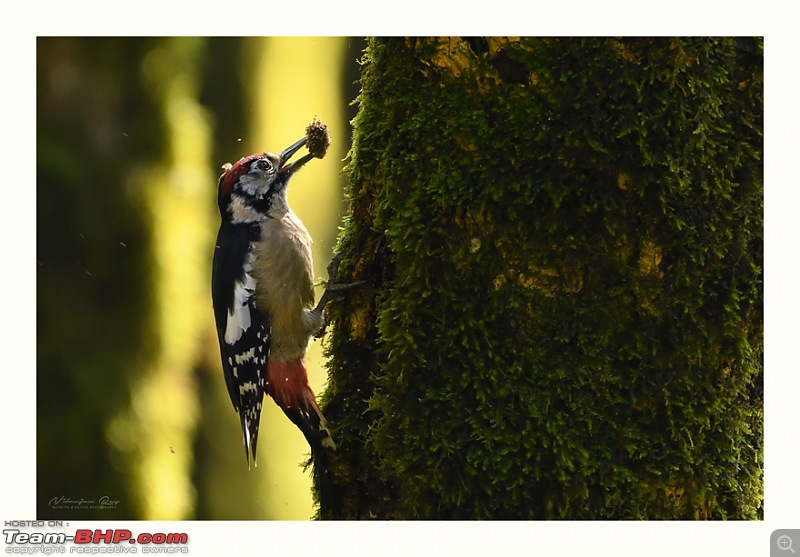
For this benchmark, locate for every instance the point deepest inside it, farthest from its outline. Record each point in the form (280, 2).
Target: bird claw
(333, 272)
(333, 291)
(319, 333)
(343, 287)
(333, 266)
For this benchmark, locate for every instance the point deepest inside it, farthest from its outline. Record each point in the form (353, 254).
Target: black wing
(243, 331)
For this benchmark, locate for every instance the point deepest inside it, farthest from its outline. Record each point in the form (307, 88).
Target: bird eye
(264, 164)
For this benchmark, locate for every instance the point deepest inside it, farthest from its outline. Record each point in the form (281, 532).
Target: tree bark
(562, 240)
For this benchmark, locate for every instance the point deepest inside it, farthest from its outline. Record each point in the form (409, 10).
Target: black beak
(286, 154)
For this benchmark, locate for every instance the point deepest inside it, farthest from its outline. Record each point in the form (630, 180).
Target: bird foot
(334, 291)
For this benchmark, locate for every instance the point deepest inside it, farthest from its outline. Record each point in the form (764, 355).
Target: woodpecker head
(247, 189)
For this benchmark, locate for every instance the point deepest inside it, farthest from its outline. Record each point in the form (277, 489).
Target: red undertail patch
(287, 384)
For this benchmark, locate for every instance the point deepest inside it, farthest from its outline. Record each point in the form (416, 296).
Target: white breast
(285, 277)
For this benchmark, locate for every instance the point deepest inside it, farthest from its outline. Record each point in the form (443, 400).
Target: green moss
(563, 243)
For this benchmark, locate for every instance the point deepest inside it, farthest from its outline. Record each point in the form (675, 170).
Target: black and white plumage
(242, 329)
(262, 289)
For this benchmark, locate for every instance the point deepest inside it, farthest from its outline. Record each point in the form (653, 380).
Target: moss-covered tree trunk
(563, 243)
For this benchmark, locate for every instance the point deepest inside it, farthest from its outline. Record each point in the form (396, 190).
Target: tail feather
(287, 384)
(250, 437)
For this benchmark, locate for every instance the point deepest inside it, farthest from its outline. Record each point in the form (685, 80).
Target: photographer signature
(64, 501)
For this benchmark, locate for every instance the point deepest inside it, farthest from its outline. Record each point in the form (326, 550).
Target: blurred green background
(131, 135)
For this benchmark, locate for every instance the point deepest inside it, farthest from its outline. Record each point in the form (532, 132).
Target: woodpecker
(263, 296)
